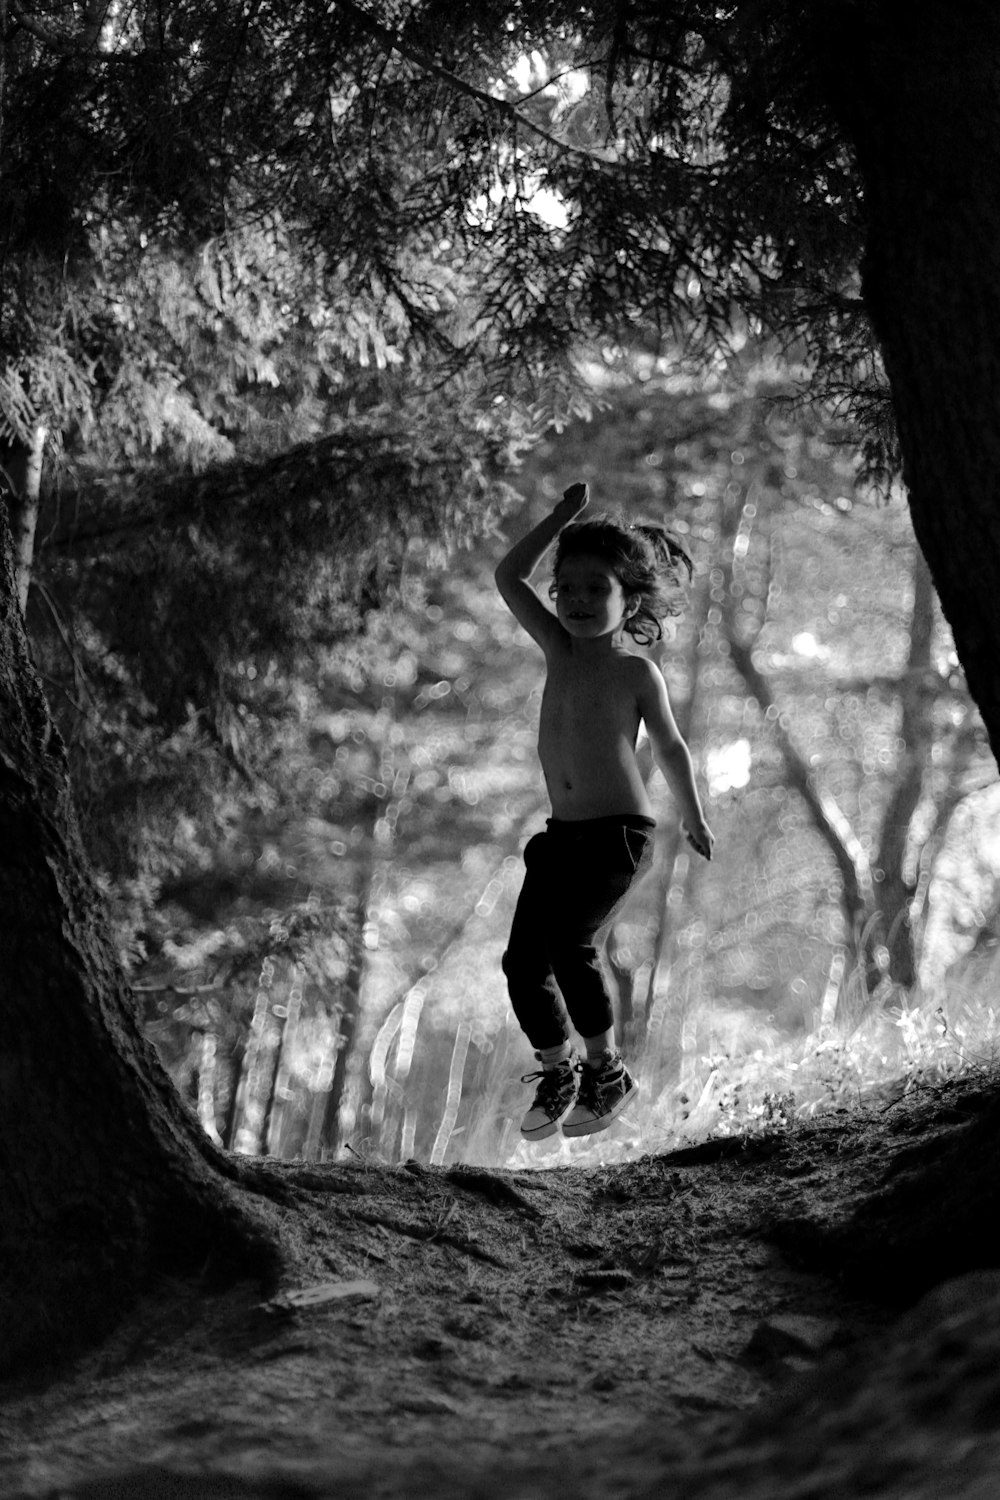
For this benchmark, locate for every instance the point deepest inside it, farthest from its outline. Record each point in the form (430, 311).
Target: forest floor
(618, 1331)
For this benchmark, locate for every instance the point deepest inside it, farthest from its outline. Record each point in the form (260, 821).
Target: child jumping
(609, 580)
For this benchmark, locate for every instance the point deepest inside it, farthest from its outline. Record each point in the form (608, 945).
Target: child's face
(590, 600)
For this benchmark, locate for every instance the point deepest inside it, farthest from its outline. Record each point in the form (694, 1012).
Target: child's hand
(700, 837)
(574, 500)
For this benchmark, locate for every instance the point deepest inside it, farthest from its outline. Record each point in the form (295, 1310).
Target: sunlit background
(323, 978)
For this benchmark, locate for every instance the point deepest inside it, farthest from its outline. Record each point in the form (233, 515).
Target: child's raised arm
(514, 571)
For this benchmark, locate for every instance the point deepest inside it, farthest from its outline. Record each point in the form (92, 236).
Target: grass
(737, 1087)
(889, 1050)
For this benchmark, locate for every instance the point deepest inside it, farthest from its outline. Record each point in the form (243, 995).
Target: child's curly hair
(648, 560)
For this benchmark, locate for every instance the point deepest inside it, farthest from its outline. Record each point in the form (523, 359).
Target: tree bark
(22, 467)
(915, 87)
(349, 1014)
(106, 1174)
(919, 690)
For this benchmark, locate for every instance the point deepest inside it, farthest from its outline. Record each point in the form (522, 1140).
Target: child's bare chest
(596, 701)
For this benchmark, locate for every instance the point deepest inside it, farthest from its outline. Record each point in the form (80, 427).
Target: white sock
(597, 1046)
(551, 1057)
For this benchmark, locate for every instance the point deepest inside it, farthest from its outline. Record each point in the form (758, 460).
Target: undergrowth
(888, 1053)
(913, 1042)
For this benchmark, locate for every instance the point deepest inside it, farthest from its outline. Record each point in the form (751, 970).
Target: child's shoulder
(638, 665)
(641, 672)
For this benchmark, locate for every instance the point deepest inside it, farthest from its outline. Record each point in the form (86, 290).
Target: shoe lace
(593, 1080)
(587, 1093)
(550, 1080)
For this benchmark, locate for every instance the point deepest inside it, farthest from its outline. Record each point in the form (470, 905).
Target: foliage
(393, 794)
(503, 182)
(174, 613)
(920, 1044)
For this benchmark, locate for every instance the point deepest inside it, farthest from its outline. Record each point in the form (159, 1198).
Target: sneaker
(554, 1098)
(604, 1093)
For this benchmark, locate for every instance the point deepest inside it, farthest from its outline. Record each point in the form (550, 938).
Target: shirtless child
(609, 580)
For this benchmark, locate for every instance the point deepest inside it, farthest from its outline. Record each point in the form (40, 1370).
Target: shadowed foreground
(622, 1331)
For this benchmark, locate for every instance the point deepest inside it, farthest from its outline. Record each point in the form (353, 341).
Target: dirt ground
(618, 1331)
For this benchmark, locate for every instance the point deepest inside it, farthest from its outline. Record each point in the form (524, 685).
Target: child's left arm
(673, 756)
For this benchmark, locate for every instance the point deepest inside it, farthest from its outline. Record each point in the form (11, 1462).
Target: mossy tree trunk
(106, 1174)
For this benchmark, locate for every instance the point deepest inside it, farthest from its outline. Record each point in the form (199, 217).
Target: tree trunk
(281, 1090)
(857, 889)
(915, 88)
(623, 979)
(106, 1173)
(259, 1066)
(349, 1014)
(918, 690)
(453, 1098)
(22, 466)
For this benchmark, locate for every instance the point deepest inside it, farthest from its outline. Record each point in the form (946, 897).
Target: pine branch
(135, 504)
(51, 39)
(79, 675)
(393, 42)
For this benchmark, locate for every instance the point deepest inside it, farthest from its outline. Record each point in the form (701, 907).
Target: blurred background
(311, 884)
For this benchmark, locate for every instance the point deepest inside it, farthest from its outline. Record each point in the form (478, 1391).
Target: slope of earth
(614, 1331)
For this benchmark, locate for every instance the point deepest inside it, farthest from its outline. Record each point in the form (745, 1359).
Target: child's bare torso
(587, 735)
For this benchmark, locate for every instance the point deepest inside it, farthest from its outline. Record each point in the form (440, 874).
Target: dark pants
(577, 876)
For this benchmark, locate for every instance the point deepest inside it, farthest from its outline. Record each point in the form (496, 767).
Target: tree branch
(50, 39)
(79, 675)
(828, 818)
(392, 40)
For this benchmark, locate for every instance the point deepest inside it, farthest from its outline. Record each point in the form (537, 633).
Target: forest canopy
(458, 200)
(490, 187)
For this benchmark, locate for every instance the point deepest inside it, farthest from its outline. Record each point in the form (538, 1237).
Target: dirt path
(462, 1333)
